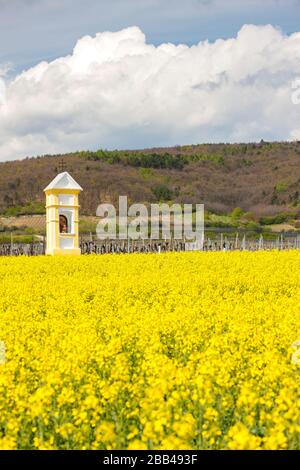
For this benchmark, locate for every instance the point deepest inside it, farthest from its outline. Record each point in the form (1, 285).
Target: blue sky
(36, 30)
(78, 75)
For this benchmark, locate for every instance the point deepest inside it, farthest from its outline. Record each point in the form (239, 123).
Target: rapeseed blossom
(170, 351)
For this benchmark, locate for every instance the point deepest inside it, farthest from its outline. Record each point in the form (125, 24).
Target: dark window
(63, 224)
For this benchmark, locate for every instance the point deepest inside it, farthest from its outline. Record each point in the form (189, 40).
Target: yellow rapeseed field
(171, 351)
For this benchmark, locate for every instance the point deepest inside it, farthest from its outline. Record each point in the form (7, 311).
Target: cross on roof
(62, 166)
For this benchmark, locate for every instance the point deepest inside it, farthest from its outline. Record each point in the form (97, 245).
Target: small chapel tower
(62, 215)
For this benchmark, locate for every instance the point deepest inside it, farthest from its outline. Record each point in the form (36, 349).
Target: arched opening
(63, 224)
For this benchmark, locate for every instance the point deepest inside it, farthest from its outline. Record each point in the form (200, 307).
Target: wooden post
(236, 240)
(11, 244)
(244, 243)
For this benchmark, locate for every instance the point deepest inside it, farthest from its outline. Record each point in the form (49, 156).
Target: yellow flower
(177, 351)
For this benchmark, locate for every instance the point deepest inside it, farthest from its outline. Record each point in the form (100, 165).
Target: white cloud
(117, 91)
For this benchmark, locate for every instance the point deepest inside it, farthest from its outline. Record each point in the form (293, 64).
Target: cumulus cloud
(117, 91)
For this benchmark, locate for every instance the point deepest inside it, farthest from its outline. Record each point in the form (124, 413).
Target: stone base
(60, 252)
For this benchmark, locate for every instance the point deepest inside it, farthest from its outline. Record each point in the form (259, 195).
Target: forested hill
(263, 178)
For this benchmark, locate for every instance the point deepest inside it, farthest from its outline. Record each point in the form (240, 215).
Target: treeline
(179, 156)
(144, 160)
(152, 160)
